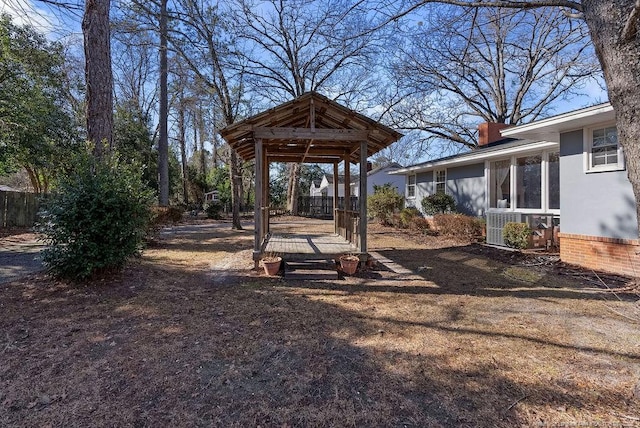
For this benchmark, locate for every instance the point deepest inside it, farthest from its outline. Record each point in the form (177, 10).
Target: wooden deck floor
(294, 246)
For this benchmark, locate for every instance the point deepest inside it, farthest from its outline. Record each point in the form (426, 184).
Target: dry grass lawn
(189, 335)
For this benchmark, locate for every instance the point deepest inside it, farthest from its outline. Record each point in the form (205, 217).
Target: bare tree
(614, 26)
(296, 46)
(135, 69)
(466, 66)
(163, 140)
(203, 42)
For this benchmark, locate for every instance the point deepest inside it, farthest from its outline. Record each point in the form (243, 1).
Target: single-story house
(325, 186)
(375, 177)
(378, 177)
(565, 172)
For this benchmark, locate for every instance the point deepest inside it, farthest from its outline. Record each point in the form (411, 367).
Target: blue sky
(62, 26)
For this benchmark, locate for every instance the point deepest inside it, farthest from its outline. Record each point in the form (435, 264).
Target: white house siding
(467, 186)
(597, 203)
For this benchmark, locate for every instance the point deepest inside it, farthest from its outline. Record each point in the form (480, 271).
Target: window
(529, 182)
(500, 184)
(440, 181)
(603, 151)
(411, 186)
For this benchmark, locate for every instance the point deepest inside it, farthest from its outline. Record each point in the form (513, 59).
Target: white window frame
(544, 208)
(588, 154)
(511, 160)
(409, 185)
(436, 182)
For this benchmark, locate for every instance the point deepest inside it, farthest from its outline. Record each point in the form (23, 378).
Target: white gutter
(470, 158)
(551, 127)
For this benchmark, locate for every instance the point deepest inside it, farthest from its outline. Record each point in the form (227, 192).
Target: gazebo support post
(266, 202)
(346, 206)
(335, 198)
(257, 214)
(362, 199)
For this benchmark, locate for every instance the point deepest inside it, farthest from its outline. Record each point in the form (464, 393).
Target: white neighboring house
(375, 177)
(325, 186)
(380, 176)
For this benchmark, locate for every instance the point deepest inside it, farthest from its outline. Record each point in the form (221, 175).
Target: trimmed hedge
(407, 215)
(516, 235)
(458, 225)
(438, 203)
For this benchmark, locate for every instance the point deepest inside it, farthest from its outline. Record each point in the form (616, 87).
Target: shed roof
(311, 128)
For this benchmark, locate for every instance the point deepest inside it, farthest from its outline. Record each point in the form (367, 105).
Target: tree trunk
(620, 60)
(203, 155)
(293, 189)
(163, 143)
(99, 96)
(236, 188)
(33, 179)
(183, 155)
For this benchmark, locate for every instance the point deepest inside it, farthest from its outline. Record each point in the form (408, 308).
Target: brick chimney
(489, 132)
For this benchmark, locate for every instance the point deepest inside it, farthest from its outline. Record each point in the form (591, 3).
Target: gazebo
(311, 129)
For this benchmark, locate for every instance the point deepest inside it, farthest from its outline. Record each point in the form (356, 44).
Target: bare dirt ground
(189, 335)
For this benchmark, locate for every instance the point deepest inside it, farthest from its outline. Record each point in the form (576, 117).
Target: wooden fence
(18, 209)
(322, 206)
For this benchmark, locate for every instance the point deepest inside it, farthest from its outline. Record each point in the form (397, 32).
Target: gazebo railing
(347, 225)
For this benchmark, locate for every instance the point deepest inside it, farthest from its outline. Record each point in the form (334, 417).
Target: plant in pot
(349, 263)
(271, 264)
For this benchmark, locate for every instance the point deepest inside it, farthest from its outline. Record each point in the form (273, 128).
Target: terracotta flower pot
(349, 264)
(271, 265)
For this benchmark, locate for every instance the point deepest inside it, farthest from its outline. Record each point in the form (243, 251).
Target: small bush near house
(458, 225)
(438, 203)
(407, 215)
(165, 215)
(96, 219)
(420, 224)
(516, 235)
(213, 210)
(383, 203)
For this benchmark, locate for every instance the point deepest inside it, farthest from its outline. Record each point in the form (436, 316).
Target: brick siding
(620, 256)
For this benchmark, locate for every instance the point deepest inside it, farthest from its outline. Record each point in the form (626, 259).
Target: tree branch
(630, 29)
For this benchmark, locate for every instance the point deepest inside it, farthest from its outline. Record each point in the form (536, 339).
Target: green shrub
(165, 215)
(516, 235)
(458, 225)
(438, 203)
(213, 210)
(383, 203)
(96, 219)
(407, 215)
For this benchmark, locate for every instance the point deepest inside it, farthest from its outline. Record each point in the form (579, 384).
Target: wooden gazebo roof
(311, 128)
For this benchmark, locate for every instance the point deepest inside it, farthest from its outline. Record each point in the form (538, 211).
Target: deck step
(310, 270)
